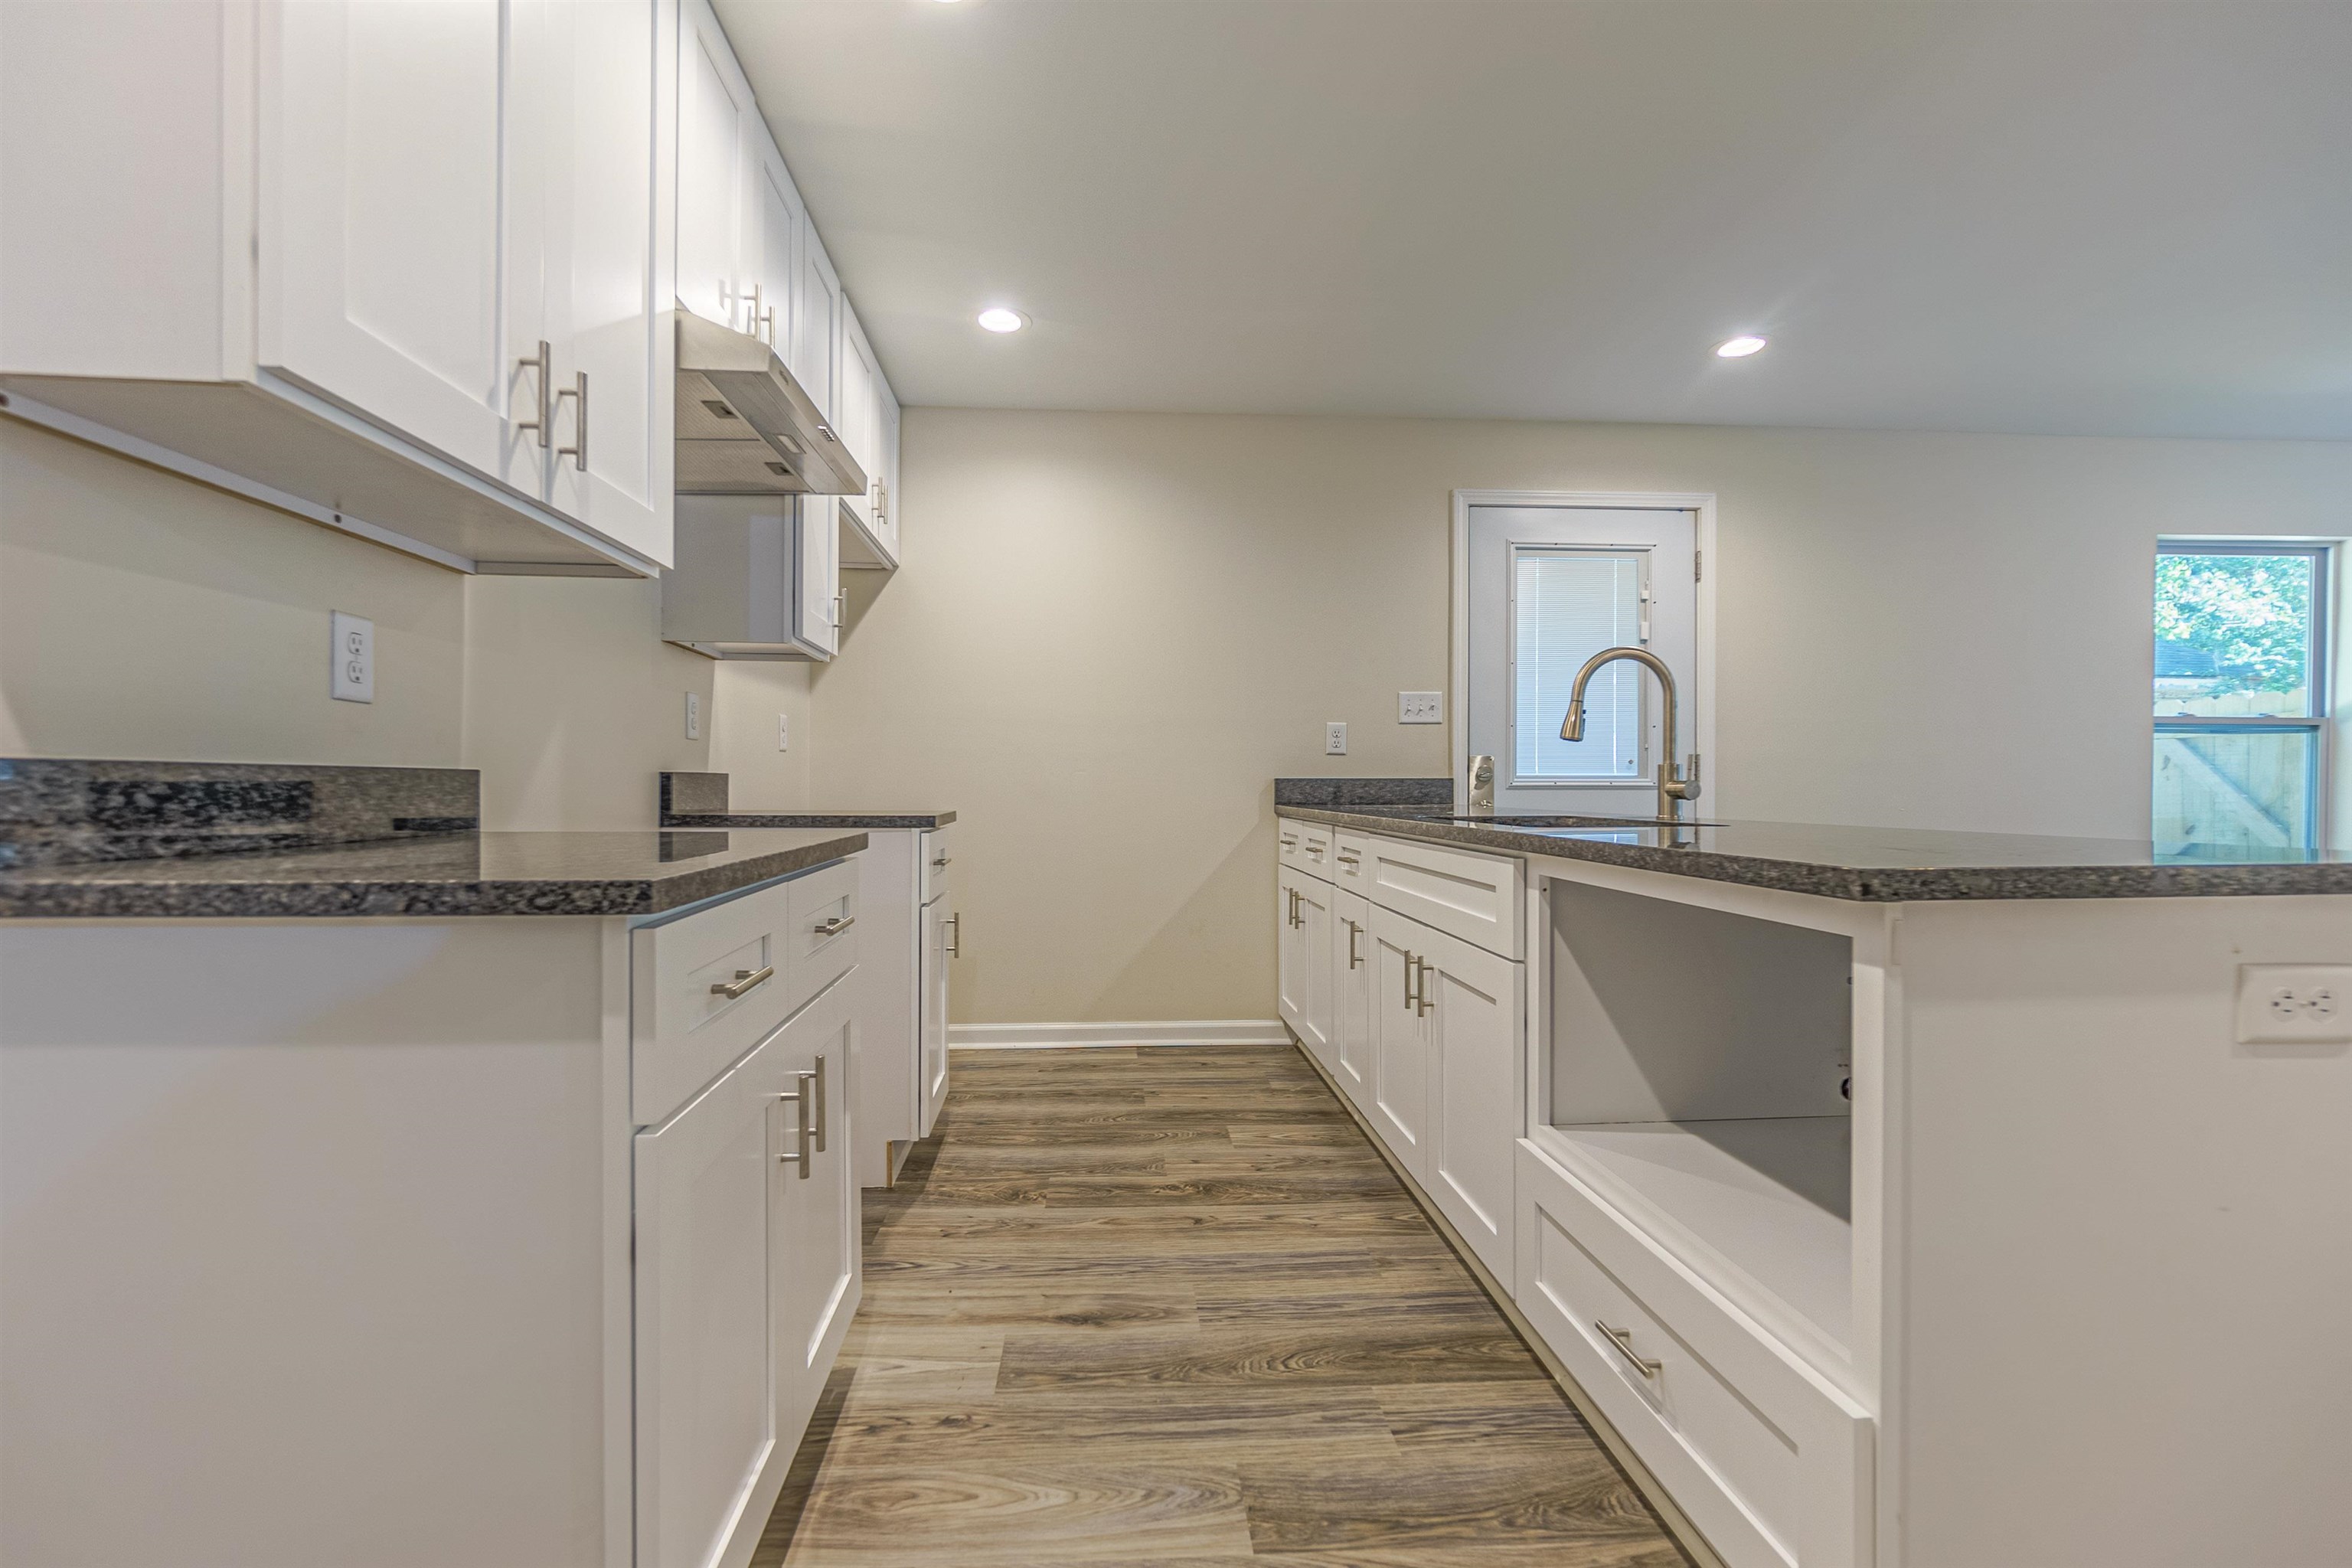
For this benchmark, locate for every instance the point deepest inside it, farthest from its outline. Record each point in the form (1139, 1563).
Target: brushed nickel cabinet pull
(799, 1104)
(837, 925)
(1426, 1000)
(1412, 1002)
(955, 947)
(544, 364)
(745, 979)
(1350, 860)
(819, 1117)
(941, 861)
(1354, 958)
(1624, 1339)
(578, 392)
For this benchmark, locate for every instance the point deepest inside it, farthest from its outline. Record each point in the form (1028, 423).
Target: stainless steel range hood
(745, 428)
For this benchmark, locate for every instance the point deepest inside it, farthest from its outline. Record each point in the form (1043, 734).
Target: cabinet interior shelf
(1767, 1196)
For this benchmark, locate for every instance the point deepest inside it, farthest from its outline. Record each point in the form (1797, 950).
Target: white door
(383, 214)
(1474, 1010)
(713, 102)
(1352, 986)
(817, 326)
(815, 1234)
(774, 237)
(609, 280)
(706, 1184)
(942, 936)
(1399, 1039)
(1549, 587)
(817, 572)
(1314, 955)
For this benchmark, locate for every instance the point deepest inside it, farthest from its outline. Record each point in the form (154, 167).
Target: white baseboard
(1193, 1032)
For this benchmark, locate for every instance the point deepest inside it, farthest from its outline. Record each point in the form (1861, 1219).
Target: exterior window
(2242, 660)
(1566, 604)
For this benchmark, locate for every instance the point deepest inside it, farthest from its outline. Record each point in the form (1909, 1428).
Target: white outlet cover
(1335, 740)
(784, 731)
(694, 715)
(2294, 1003)
(350, 658)
(1421, 708)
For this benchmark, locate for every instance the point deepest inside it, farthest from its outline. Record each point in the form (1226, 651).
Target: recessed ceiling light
(997, 319)
(1739, 347)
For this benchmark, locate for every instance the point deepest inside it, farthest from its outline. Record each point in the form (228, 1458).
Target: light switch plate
(350, 675)
(1335, 740)
(2294, 1003)
(1421, 708)
(694, 715)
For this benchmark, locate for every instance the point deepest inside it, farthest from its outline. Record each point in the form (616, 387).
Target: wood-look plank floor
(1167, 1308)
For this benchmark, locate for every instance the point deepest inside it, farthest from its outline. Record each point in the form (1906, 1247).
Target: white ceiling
(2103, 216)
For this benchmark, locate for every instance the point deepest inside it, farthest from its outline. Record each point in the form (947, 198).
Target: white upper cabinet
(777, 224)
(714, 109)
(815, 359)
(382, 226)
(868, 423)
(332, 299)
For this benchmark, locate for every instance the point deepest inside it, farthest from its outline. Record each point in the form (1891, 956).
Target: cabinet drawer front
(1304, 846)
(1473, 897)
(1351, 860)
(1769, 1461)
(683, 1034)
(821, 932)
(939, 856)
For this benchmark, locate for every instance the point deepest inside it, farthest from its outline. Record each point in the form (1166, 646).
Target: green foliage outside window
(2251, 613)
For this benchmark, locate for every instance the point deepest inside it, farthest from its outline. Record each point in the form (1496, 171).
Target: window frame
(1644, 557)
(2319, 669)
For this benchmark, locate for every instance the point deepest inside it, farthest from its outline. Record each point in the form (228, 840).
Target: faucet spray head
(1572, 727)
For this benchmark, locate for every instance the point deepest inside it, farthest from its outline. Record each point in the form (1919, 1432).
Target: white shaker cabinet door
(1314, 1022)
(1399, 1039)
(382, 215)
(708, 1183)
(609, 285)
(1351, 1056)
(714, 103)
(772, 240)
(815, 357)
(1289, 961)
(943, 936)
(815, 1235)
(817, 537)
(1472, 1015)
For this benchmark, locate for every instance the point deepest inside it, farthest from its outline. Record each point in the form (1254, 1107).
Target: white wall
(145, 617)
(1115, 630)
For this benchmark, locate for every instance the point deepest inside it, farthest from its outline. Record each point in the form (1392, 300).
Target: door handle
(543, 363)
(819, 1115)
(745, 981)
(802, 1133)
(578, 392)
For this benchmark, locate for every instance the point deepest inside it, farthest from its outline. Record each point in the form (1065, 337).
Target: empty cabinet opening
(1700, 1068)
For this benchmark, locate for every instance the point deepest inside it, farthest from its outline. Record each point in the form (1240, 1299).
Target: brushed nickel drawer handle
(1350, 860)
(1354, 958)
(955, 945)
(942, 860)
(801, 1132)
(837, 925)
(819, 1116)
(745, 980)
(1624, 1339)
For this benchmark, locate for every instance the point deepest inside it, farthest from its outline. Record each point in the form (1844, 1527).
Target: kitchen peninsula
(1858, 1175)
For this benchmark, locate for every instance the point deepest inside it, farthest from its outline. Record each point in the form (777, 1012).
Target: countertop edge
(1877, 885)
(395, 897)
(867, 819)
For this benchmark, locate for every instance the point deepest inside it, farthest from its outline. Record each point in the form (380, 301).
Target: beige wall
(143, 616)
(1114, 630)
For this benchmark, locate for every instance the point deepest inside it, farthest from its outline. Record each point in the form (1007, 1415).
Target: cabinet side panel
(2122, 1241)
(110, 158)
(302, 1248)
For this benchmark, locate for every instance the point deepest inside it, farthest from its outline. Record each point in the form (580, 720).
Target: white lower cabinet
(1350, 1057)
(909, 944)
(1472, 1005)
(1770, 1461)
(1401, 1053)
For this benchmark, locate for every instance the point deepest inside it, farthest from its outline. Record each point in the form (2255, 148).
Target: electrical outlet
(2294, 1003)
(784, 731)
(694, 715)
(350, 658)
(1421, 708)
(1335, 740)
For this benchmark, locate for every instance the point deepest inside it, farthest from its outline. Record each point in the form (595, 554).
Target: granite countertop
(429, 874)
(1879, 865)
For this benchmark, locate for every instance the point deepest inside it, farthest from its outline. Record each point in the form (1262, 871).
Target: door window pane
(1568, 605)
(2233, 634)
(2236, 788)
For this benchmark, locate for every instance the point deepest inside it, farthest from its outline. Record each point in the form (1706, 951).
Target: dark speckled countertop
(436, 874)
(700, 800)
(1880, 865)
